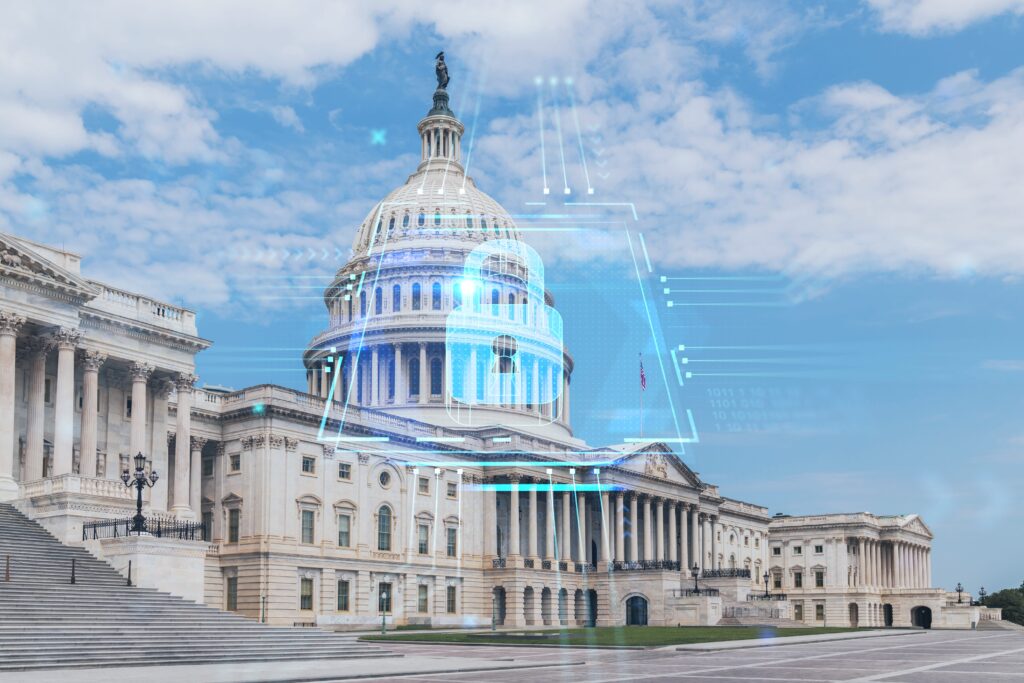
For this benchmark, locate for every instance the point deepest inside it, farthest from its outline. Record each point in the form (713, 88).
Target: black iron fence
(691, 592)
(768, 596)
(727, 573)
(161, 528)
(645, 565)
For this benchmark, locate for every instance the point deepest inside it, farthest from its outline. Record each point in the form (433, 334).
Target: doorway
(636, 611)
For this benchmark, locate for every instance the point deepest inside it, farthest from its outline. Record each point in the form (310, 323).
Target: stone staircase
(998, 625)
(46, 622)
(752, 614)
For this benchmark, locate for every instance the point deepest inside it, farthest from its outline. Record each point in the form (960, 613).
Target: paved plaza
(922, 657)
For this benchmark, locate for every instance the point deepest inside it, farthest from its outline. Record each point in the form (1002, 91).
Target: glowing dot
(258, 409)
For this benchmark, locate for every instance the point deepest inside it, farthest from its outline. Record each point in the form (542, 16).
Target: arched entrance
(591, 607)
(579, 611)
(854, 614)
(545, 606)
(921, 617)
(887, 613)
(528, 609)
(636, 611)
(563, 607)
(498, 605)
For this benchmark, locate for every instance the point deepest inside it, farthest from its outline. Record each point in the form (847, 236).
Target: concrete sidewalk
(278, 672)
(788, 640)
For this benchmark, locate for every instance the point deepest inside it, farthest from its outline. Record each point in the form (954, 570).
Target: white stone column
(513, 517)
(684, 538)
(695, 546)
(424, 376)
(707, 561)
(34, 422)
(182, 446)
(92, 360)
(325, 378)
(549, 393)
(535, 387)
(549, 526)
(10, 324)
(673, 536)
(606, 541)
(565, 544)
(65, 341)
(648, 535)
(490, 503)
(620, 527)
(581, 528)
(712, 525)
(531, 531)
(195, 485)
(400, 391)
(140, 373)
(659, 530)
(375, 377)
(634, 527)
(565, 398)
(470, 384)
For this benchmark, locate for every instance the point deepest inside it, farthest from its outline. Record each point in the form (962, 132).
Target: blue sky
(852, 168)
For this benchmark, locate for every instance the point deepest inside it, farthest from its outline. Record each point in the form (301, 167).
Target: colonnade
(400, 373)
(591, 527)
(889, 564)
(71, 351)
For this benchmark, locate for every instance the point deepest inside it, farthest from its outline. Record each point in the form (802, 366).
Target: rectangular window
(819, 612)
(746, 541)
(449, 600)
(208, 524)
(384, 597)
(819, 579)
(777, 581)
(422, 599)
(308, 465)
(48, 397)
(798, 550)
(421, 536)
(233, 517)
(127, 401)
(757, 542)
(344, 470)
(798, 580)
(798, 612)
(232, 597)
(453, 489)
(306, 594)
(236, 462)
(307, 526)
(207, 467)
(423, 485)
(453, 535)
(343, 596)
(819, 549)
(344, 529)
(776, 550)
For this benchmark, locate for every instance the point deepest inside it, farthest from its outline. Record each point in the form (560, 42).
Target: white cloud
(921, 17)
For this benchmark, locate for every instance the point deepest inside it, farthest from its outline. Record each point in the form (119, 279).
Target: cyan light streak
(558, 130)
(604, 517)
(647, 258)
(579, 134)
(540, 121)
(577, 486)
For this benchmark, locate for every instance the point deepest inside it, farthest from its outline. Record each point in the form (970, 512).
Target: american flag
(643, 376)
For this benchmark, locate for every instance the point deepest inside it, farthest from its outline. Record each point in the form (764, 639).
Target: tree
(1012, 602)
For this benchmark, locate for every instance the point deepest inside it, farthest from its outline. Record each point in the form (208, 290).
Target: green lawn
(644, 636)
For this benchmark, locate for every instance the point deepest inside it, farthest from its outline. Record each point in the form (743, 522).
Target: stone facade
(367, 495)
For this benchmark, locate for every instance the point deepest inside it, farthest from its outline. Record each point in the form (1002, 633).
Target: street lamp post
(494, 618)
(766, 577)
(383, 612)
(981, 595)
(959, 590)
(139, 481)
(695, 571)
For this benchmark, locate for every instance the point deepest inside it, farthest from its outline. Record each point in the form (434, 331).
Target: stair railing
(72, 570)
(7, 569)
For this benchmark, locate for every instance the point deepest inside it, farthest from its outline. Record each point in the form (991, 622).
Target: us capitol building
(367, 494)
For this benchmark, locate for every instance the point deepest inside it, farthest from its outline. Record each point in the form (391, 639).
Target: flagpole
(641, 397)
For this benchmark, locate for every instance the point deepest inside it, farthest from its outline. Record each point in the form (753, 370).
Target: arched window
(384, 528)
(414, 377)
(437, 218)
(483, 224)
(416, 296)
(435, 377)
(511, 306)
(457, 294)
(495, 301)
(391, 226)
(435, 296)
(396, 298)
(378, 301)
(405, 221)
(469, 222)
(422, 219)
(362, 304)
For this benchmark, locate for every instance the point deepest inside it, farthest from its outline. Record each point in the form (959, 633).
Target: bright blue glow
(258, 409)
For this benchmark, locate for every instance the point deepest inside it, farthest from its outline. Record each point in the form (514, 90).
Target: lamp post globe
(981, 595)
(695, 572)
(959, 590)
(139, 481)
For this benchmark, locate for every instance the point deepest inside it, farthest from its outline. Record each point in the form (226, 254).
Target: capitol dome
(389, 305)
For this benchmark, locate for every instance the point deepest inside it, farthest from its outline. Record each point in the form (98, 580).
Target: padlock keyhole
(505, 351)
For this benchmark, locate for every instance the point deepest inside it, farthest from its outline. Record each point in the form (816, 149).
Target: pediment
(20, 263)
(657, 460)
(915, 525)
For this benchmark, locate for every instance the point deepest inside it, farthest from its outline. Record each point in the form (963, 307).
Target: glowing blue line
(550, 488)
(675, 364)
(502, 439)
(647, 258)
(725, 291)
(724, 277)
(441, 439)
(561, 147)
(472, 135)
(752, 304)
(515, 463)
(629, 204)
(579, 135)
(604, 518)
(540, 119)
(330, 396)
(654, 334)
